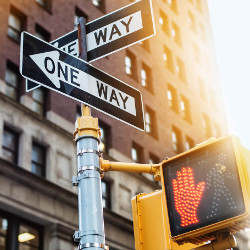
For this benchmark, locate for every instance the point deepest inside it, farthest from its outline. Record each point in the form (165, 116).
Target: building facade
(183, 105)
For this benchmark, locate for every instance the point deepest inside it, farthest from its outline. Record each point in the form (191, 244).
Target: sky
(230, 22)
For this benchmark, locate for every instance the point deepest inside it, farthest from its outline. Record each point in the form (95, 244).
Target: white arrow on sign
(57, 71)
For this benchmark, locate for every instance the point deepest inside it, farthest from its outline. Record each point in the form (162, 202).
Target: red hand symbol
(186, 196)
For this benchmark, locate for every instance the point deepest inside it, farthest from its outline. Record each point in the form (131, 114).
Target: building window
(99, 3)
(163, 20)
(173, 5)
(145, 44)
(78, 112)
(3, 232)
(15, 24)
(153, 159)
(38, 159)
(176, 140)
(39, 101)
(15, 233)
(207, 125)
(185, 109)
(12, 79)
(41, 33)
(105, 135)
(46, 4)
(180, 69)
(137, 153)
(150, 122)
(168, 59)
(197, 53)
(189, 143)
(130, 63)
(192, 23)
(146, 77)
(202, 88)
(172, 98)
(28, 237)
(199, 5)
(106, 194)
(176, 35)
(10, 145)
(78, 14)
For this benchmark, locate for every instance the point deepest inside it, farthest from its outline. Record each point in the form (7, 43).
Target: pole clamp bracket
(97, 245)
(84, 168)
(75, 181)
(82, 151)
(77, 235)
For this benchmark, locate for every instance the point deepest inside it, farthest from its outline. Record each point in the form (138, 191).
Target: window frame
(42, 33)
(165, 23)
(186, 113)
(148, 78)
(107, 134)
(15, 152)
(169, 61)
(145, 44)
(176, 34)
(151, 123)
(14, 222)
(177, 145)
(37, 164)
(22, 18)
(202, 89)
(107, 195)
(190, 141)
(181, 71)
(43, 103)
(79, 13)
(14, 68)
(192, 21)
(139, 152)
(132, 67)
(102, 6)
(155, 159)
(173, 5)
(174, 100)
(46, 6)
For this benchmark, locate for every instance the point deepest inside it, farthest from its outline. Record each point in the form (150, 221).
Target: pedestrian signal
(207, 189)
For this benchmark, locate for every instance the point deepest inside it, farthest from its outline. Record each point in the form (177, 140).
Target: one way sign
(110, 33)
(114, 31)
(75, 78)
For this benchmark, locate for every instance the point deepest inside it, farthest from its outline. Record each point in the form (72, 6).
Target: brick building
(177, 75)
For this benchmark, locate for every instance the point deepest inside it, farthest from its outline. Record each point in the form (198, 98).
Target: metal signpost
(55, 66)
(110, 33)
(91, 225)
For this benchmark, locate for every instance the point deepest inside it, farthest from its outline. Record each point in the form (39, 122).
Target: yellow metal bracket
(153, 169)
(223, 241)
(86, 124)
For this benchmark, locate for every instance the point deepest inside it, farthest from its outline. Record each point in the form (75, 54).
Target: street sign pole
(91, 226)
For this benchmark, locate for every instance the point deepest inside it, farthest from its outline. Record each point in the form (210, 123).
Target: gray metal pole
(91, 226)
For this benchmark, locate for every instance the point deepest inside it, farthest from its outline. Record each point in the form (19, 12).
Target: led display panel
(203, 187)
